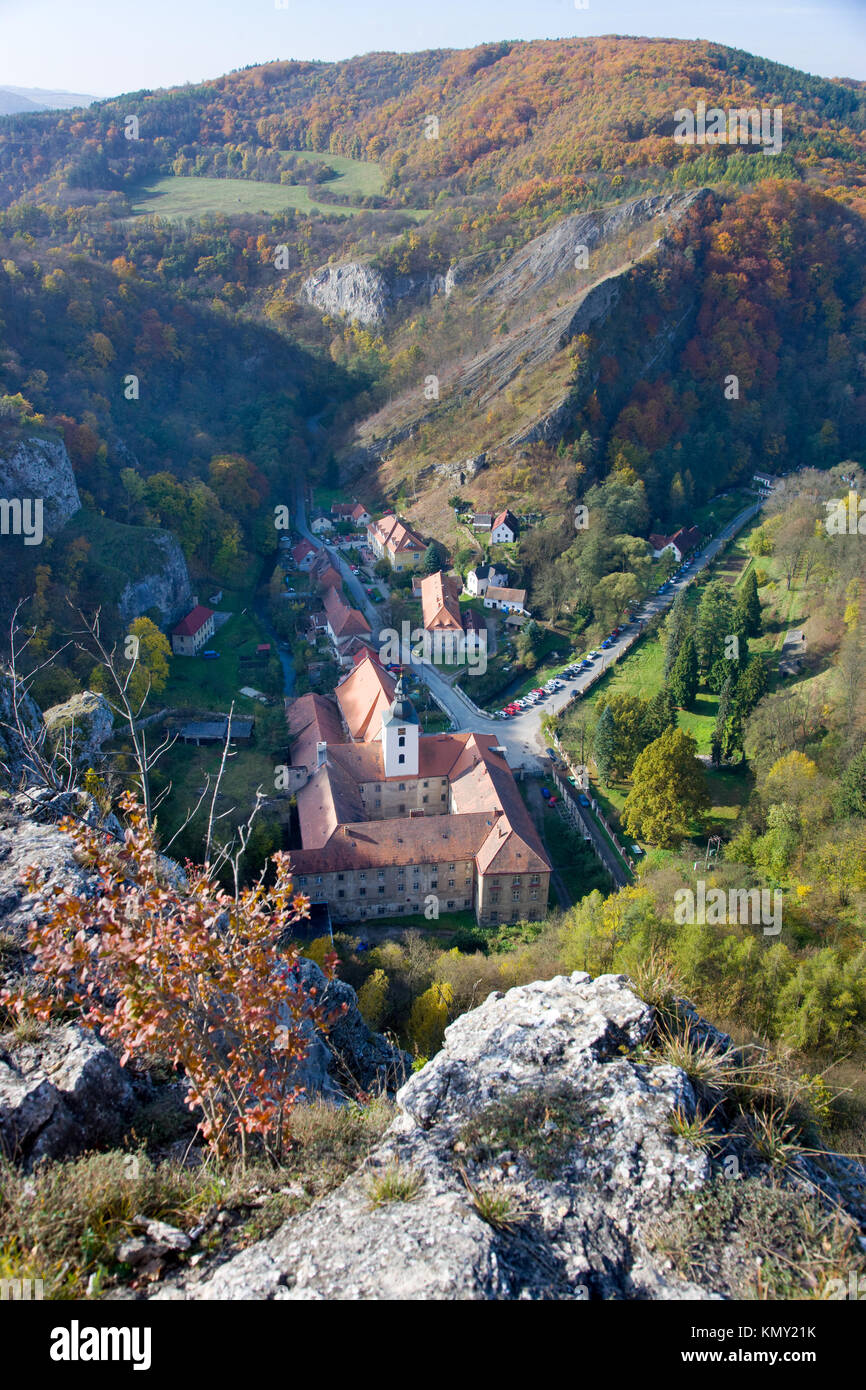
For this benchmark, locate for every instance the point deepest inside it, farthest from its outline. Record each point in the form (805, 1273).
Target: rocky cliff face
(534, 1157)
(41, 468)
(166, 588)
(363, 294)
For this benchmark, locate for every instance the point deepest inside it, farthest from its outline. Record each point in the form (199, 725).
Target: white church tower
(400, 734)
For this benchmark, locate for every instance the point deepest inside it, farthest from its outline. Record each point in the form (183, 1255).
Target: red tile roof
(344, 621)
(440, 603)
(195, 619)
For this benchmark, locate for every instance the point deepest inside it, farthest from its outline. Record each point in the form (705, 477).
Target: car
(608, 642)
(616, 632)
(551, 753)
(210, 655)
(583, 799)
(586, 665)
(545, 793)
(552, 800)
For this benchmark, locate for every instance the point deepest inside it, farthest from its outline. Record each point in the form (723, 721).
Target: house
(200, 731)
(505, 528)
(192, 632)
(392, 540)
(343, 622)
(321, 524)
(440, 603)
(681, 543)
(793, 652)
(478, 580)
(304, 553)
(765, 482)
(482, 521)
(505, 599)
(324, 573)
(351, 511)
(388, 815)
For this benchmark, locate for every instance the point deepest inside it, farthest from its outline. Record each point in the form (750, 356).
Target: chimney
(321, 754)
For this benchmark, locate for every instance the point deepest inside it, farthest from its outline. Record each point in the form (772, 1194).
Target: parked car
(545, 793)
(583, 799)
(210, 655)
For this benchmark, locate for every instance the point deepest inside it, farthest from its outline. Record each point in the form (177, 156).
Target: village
(401, 794)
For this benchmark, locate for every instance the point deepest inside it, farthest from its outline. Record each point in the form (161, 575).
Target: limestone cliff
(41, 468)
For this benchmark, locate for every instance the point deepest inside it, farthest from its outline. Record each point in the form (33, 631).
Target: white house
(320, 524)
(479, 580)
(505, 599)
(505, 528)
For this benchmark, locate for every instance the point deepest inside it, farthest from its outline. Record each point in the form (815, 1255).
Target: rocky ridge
(537, 1160)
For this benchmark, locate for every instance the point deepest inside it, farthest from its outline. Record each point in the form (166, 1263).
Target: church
(390, 816)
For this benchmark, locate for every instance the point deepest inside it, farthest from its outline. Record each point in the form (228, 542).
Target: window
(515, 896)
(341, 892)
(450, 902)
(467, 902)
(363, 873)
(442, 797)
(381, 888)
(381, 873)
(533, 892)
(340, 877)
(424, 798)
(434, 883)
(451, 866)
(467, 880)
(378, 801)
(302, 880)
(516, 880)
(450, 883)
(402, 806)
(381, 909)
(402, 787)
(362, 892)
(426, 784)
(401, 757)
(535, 879)
(318, 878)
(401, 742)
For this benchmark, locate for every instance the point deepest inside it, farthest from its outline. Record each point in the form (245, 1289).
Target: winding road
(522, 736)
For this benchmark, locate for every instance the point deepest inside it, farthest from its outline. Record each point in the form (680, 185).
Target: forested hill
(523, 126)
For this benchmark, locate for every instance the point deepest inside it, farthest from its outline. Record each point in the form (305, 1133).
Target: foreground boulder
(60, 1093)
(532, 1154)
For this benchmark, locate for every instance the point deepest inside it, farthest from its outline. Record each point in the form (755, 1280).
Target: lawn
(182, 196)
(188, 767)
(212, 685)
(574, 860)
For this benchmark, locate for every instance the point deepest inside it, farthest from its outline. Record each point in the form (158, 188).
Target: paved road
(522, 735)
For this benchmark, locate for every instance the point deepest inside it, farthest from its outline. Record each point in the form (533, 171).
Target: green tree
(749, 604)
(668, 789)
(428, 1018)
(715, 622)
(373, 998)
(604, 745)
(683, 683)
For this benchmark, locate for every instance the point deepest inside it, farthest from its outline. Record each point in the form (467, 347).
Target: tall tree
(749, 604)
(668, 790)
(683, 683)
(604, 745)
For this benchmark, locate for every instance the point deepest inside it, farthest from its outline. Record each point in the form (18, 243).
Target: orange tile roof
(344, 621)
(440, 603)
(394, 535)
(363, 698)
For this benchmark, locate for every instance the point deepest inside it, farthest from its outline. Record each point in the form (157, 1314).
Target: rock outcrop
(41, 468)
(540, 1151)
(166, 587)
(361, 293)
(84, 719)
(60, 1093)
(535, 1157)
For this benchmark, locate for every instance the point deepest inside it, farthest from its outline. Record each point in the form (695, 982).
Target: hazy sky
(106, 47)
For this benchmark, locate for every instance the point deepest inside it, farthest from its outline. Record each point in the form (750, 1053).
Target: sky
(106, 47)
